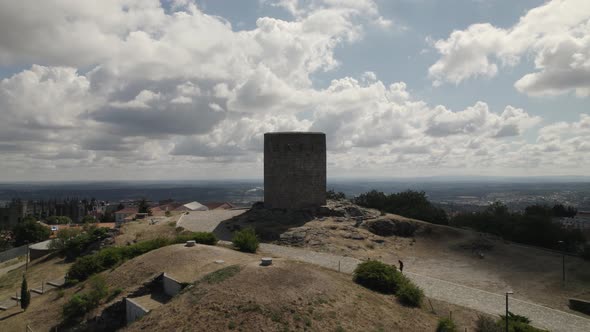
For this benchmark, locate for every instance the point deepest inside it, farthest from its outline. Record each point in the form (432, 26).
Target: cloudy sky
(181, 89)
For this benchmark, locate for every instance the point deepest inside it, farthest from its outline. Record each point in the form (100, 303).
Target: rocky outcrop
(390, 227)
(288, 227)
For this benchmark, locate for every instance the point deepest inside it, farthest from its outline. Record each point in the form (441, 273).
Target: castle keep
(294, 170)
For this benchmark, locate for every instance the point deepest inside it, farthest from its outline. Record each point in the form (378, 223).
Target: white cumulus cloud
(556, 35)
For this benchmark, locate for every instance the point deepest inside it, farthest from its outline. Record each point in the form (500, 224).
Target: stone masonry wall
(294, 170)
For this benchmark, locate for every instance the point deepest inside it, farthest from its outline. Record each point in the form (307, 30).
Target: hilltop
(292, 295)
(462, 256)
(288, 295)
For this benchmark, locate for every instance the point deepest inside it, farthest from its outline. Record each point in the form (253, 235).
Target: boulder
(389, 227)
(382, 227)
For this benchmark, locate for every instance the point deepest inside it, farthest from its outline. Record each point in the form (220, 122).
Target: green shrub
(410, 294)
(487, 324)
(446, 325)
(84, 267)
(29, 231)
(75, 308)
(377, 276)
(80, 304)
(114, 294)
(205, 238)
(199, 237)
(246, 240)
(109, 257)
(98, 290)
(74, 242)
(145, 246)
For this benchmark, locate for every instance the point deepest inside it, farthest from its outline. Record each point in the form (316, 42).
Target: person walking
(401, 266)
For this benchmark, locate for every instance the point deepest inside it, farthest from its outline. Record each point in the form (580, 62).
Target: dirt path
(484, 301)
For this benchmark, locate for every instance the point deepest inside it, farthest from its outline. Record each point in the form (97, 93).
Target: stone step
(37, 290)
(3, 308)
(54, 284)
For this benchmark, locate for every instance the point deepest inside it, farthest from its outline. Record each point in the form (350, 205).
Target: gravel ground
(483, 301)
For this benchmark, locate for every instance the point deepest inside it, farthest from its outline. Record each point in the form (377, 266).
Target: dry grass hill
(241, 295)
(438, 251)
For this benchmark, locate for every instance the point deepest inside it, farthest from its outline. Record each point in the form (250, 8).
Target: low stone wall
(580, 305)
(171, 285)
(13, 253)
(133, 310)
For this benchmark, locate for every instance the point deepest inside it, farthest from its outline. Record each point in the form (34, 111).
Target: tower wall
(294, 170)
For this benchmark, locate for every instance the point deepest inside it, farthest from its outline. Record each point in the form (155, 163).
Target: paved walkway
(483, 301)
(206, 221)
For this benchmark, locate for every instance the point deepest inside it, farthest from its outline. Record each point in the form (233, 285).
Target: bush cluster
(246, 240)
(58, 220)
(487, 324)
(199, 237)
(80, 304)
(387, 279)
(517, 323)
(410, 294)
(106, 258)
(411, 204)
(534, 227)
(30, 231)
(376, 276)
(331, 194)
(73, 242)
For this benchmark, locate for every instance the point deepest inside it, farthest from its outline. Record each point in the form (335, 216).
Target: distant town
(66, 211)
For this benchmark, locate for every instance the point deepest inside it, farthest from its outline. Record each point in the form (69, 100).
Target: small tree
(25, 294)
(30, 231)
(143, 206)
(89, 219)
(62, 238)
(331, 194)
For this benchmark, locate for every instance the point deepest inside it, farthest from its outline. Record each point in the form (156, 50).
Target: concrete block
(266, 261)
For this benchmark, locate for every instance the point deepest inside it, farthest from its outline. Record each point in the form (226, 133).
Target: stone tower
(294, 170)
